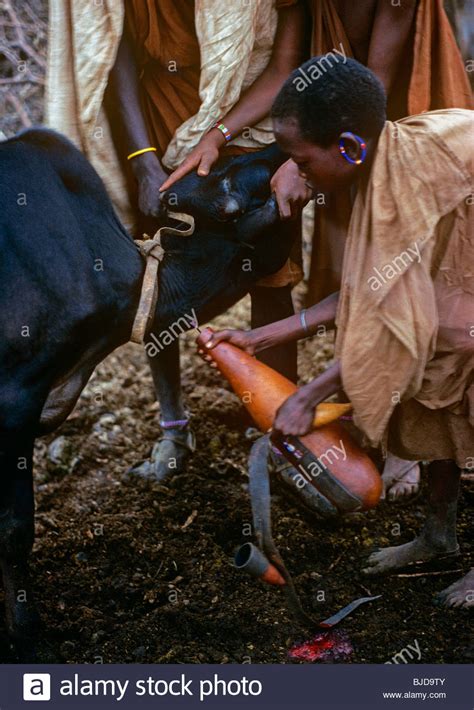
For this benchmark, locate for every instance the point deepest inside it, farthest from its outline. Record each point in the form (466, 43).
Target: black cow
(70, 281)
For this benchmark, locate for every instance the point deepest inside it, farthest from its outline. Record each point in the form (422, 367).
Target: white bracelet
(304, 325)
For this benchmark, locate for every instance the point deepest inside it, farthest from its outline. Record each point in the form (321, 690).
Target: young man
(411, 48)
(405, 340)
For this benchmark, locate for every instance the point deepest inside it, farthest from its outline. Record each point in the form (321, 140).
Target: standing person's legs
(176, 442)
(269, 305)
(272, 301)
(438, 536)
(401, 478)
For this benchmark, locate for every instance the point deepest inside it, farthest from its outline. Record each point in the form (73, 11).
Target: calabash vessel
(327, 458)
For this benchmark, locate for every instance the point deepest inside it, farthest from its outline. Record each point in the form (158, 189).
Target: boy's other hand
(295, 416)
(291, 190)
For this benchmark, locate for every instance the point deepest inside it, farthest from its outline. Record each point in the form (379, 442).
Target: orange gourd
(262, 390)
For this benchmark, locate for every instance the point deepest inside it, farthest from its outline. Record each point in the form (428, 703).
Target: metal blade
(345, 611)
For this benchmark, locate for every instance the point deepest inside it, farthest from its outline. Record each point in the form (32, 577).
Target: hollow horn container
(328, 457)
(251, 560)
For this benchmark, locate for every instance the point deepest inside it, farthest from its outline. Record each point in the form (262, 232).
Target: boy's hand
(202, 158)
(291, 190)
(296, 415)
(243, 339)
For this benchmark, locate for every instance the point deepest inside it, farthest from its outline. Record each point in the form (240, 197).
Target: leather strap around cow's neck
(154, 254)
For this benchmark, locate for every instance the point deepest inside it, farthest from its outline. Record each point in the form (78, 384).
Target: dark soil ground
(129, 571)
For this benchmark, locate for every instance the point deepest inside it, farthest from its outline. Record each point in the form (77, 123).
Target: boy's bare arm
(283, 331)
(292, 328)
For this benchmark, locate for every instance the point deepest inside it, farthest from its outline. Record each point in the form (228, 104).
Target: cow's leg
(268, 305)
(16, 538)
(438, 537)
(177, 441)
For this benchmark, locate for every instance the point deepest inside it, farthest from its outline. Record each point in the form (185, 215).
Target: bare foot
(392, 558)
(400, 478)
(460, 594)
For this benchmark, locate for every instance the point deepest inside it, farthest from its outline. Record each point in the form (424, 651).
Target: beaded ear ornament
(363, 150)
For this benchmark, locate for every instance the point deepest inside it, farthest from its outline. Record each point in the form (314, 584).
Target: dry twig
(23, 39)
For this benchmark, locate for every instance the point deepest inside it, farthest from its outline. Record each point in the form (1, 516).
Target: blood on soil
(325, 647)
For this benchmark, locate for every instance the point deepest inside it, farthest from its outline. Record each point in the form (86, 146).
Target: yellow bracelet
(139, 152)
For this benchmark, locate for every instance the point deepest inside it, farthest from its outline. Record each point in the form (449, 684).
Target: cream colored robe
(235, 39)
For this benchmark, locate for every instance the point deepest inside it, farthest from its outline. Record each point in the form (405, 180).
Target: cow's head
(235, 186)
(239, 237)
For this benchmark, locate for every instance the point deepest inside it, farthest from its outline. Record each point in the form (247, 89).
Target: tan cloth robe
(406, 313)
